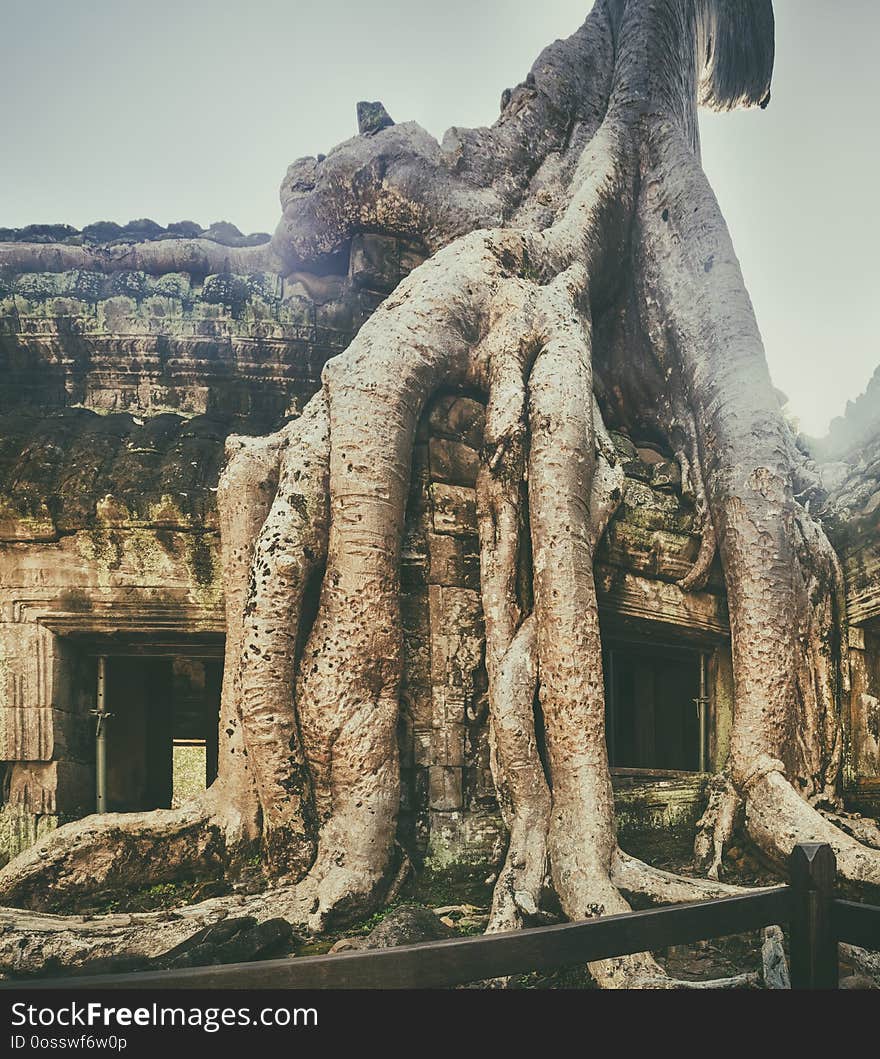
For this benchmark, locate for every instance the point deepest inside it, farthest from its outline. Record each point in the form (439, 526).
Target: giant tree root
(109, 853)
(589, 206)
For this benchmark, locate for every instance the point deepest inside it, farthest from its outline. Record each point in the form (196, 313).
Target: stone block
(54, 787)
(447, 745)
(453, 462)
(455, 510)
(458, 418)
(27, 734)
(666, 475)
(449, 704)
(856, 638)
(466, 840)
(456, 636)
(27, 666)
(375, 262)
(20, 829)
(453, 561)
(422, 747)
(444, 788)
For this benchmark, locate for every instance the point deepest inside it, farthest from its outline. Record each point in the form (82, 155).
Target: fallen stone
(623, 445)
(667, 475)
(372, 118)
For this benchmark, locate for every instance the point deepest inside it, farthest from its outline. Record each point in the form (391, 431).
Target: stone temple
(117, 392)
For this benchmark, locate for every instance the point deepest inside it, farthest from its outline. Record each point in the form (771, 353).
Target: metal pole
(101, 738)
(702, 704)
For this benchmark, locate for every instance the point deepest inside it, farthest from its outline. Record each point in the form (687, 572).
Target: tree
(576, 249)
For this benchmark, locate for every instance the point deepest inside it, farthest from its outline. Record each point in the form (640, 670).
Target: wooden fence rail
(816, 920)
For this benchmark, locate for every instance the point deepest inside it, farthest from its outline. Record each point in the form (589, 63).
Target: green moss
(452, 886)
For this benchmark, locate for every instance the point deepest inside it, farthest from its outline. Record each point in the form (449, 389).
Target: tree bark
(585, 204)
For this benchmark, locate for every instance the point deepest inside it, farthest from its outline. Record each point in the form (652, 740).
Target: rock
(372, 118)
(458, 418)
(623, 445)
(46, 233)
(374, 262)
(858, 981)
(455, 509)
(407, 925)
(404, 925)
(102, 232)
(143, 229)
(638, 470)
(185, 229)
(667, 475)
(453, 462)
(650, 454)
(239, 940)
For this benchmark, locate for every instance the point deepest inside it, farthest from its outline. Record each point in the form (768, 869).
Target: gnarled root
(134, 850)
(290, 550)
(117, 851)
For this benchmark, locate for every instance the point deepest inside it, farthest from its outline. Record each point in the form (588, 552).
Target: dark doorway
(652, 707)
(162, 732)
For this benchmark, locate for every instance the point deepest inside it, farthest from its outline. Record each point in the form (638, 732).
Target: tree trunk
(578, 230)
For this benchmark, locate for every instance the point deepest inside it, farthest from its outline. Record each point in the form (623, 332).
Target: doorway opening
(160, 729)
(655, 707)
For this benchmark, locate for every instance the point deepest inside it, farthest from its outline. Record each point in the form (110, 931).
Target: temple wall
(123, 389)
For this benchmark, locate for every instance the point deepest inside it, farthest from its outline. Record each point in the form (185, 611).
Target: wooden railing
(817, 922)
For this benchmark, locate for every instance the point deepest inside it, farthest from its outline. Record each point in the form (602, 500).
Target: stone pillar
(44, 733)
(861, 718)
(720, 690)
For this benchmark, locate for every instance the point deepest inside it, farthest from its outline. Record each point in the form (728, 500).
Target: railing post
(813, 949)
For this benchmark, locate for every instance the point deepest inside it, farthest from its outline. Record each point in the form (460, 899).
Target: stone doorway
(656, 707)
(161, 742)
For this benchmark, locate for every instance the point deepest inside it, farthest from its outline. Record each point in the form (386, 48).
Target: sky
(190, 109)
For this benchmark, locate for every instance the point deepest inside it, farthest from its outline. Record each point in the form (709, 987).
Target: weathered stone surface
(447, 746)
(65, 787)
(445, 788)
(624, 445)
(372, 118)
(20, 828)
(629, 596)
(666, 475)
(26, 734)
(663, 805)
(404, 925)
(453, 462)
(458, 418)
(455, 509)
(379, 262)
(453, 561)
(466, 839)
(239, 940)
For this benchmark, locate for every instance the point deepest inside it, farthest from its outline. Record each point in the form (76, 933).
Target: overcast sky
(189, 109)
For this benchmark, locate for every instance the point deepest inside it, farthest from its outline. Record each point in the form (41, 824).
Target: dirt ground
(461, 902)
